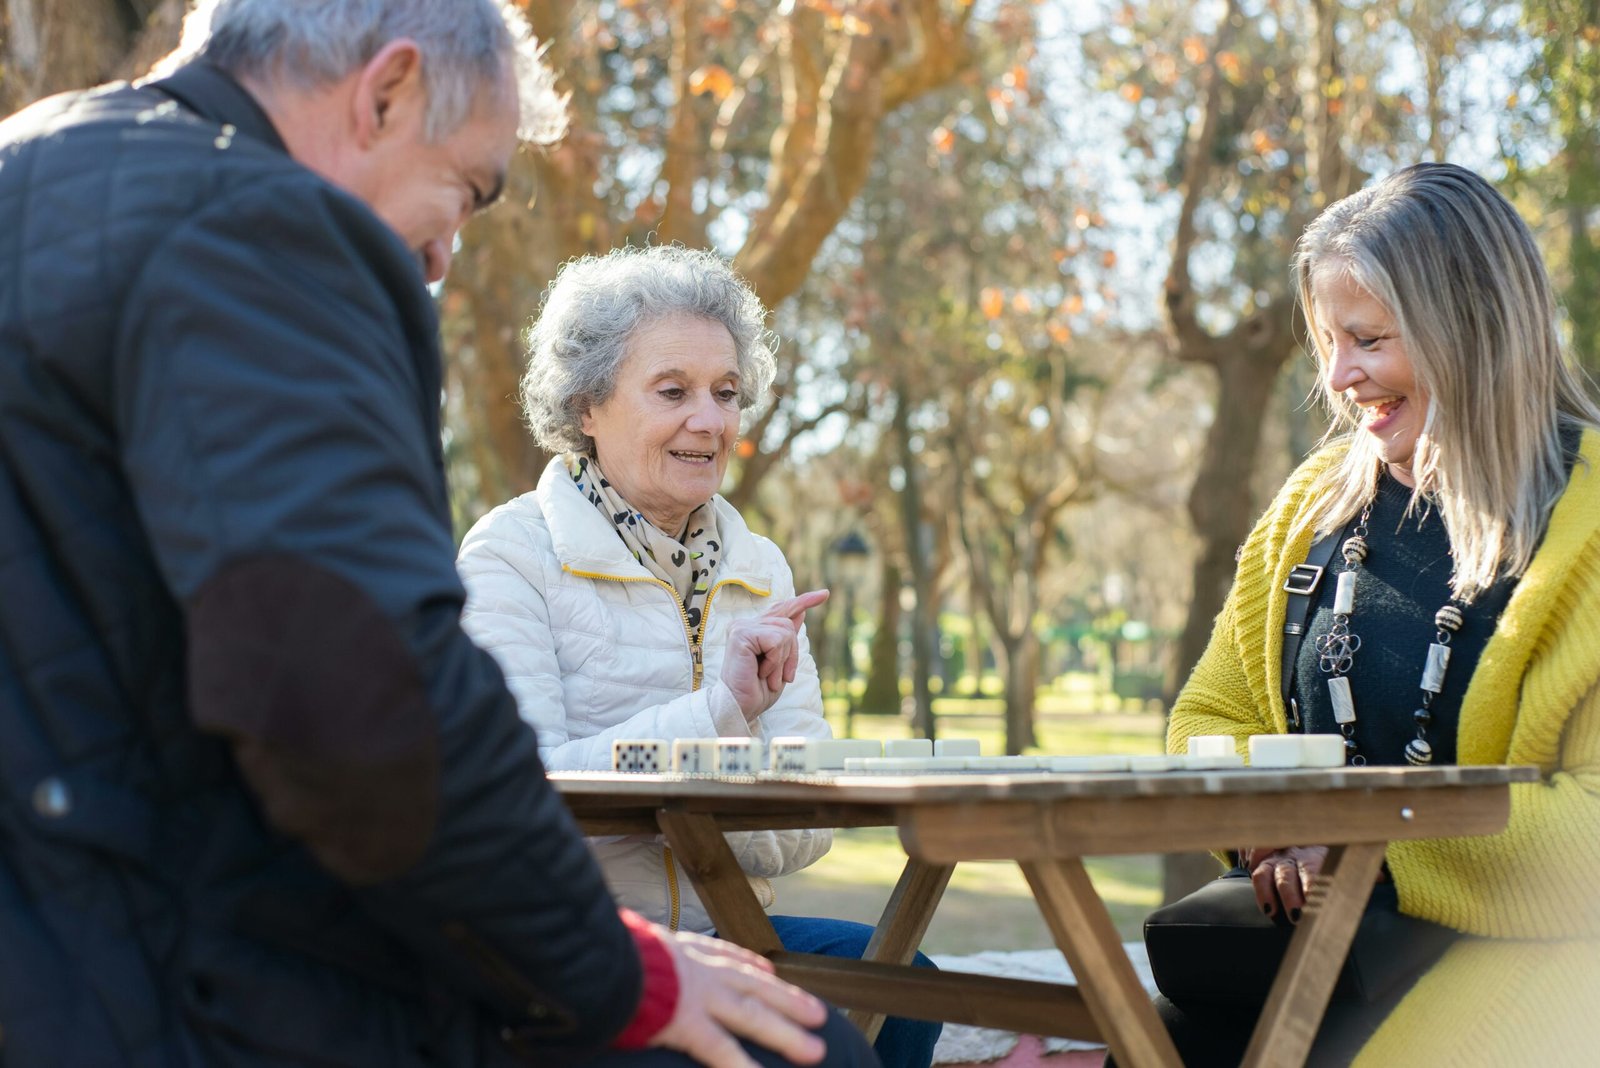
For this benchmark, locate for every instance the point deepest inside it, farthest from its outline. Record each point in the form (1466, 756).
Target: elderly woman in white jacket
(623, 598)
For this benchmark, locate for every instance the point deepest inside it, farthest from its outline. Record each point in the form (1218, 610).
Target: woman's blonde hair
(1457, 268)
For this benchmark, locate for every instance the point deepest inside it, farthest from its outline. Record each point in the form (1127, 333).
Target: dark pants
(846, 1049)
(903, 1043)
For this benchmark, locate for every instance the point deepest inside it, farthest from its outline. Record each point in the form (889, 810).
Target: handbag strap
(1301, 586)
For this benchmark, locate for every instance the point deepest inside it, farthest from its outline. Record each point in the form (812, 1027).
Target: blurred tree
(49, 46)
(1564, 91)
(746, 126)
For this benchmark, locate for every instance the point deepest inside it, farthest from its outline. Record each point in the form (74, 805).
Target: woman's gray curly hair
(595, 307)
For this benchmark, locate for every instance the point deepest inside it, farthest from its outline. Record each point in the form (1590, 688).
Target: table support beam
(1083, 930)
(724, 889)
(1310, 969)
(903, 924)
(955, 997)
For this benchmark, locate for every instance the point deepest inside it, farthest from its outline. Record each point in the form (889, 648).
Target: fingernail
(1294, 915)
(1267, 909)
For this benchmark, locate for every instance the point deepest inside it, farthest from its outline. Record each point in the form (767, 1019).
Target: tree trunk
(882, 694)
(1220, 503)
(923, 611)
(1022, 683)
(977, 646)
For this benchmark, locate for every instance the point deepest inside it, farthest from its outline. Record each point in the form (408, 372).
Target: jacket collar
(585, 543)
(213, 94)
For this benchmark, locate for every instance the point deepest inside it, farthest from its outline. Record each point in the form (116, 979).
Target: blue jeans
(903, 1043)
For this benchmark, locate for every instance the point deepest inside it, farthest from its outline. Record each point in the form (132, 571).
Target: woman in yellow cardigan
(1460, 480)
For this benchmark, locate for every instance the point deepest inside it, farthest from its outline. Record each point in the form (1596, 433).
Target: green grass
(987, 905)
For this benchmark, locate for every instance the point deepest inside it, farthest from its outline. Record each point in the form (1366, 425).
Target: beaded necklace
(1336, 652)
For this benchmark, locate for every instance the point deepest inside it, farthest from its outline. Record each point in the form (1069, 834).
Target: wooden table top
(1015, 816)
(884, 789)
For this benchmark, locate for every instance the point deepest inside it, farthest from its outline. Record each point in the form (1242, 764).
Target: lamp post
(851, 553)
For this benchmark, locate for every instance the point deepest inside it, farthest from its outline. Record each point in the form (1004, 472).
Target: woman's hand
(726, 992)
(1282, 876)
(764, 653)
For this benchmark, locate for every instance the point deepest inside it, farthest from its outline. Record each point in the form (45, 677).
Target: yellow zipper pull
(699, 666)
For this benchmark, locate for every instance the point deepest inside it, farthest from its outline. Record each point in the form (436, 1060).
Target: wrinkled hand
(1282, 876)
(764, 653)
(726, 992)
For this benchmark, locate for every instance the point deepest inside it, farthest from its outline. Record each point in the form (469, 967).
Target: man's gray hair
(596, 306)
(465, 46)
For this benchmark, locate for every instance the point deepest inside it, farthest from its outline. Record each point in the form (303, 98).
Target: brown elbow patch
(326, 710)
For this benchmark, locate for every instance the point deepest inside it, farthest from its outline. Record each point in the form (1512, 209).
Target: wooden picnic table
(1047, 824)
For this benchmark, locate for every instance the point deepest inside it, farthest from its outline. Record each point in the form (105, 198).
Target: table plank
(904, 921)
(723, 888)
(1025, 1005)
(1299, 997)
(1082, 928)
(944, 832)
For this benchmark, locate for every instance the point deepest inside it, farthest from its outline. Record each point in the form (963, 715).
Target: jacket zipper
(696, 639)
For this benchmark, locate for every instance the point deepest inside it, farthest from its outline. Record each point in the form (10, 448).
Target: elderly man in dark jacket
(260, 799)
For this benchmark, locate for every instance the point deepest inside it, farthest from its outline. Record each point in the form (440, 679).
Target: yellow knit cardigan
(1527, 991)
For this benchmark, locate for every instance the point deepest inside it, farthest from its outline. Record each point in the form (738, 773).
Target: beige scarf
(684, 565)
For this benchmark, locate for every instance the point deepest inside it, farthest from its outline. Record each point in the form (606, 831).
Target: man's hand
(1282, 876)
(764, 653)
(726, 992)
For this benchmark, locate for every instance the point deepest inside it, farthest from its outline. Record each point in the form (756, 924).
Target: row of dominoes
(792, 756)
(1097, 764)
(802, 756)
(1279, 751)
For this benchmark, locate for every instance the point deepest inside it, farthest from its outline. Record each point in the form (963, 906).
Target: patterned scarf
(686, 566)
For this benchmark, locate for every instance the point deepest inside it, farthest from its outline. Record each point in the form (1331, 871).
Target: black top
(1404, 580)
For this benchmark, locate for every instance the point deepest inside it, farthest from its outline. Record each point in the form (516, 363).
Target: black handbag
(1216, 947)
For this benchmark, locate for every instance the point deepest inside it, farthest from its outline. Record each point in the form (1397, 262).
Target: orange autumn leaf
(1017, 78)
(991, 302)
(1262, 142)
(1132, 93)
(712, 78)
(1073, 305)
(1060, 332)
(943, 139)
(1022, 304)
(1230, 64)
(1194, 50)
(745, 449)
(1108, 259)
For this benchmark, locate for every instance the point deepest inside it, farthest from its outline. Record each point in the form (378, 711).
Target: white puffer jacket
(596, 648)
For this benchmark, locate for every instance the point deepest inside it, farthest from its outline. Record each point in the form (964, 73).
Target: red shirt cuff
(659, 999)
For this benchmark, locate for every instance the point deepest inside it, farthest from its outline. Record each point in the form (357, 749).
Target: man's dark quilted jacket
(261, 802)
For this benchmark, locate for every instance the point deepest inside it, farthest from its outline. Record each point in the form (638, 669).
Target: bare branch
(684, 161)
(1194, 344)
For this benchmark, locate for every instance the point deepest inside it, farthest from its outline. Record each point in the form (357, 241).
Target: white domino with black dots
(739, 756)
(639, 756)
(694, 756)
